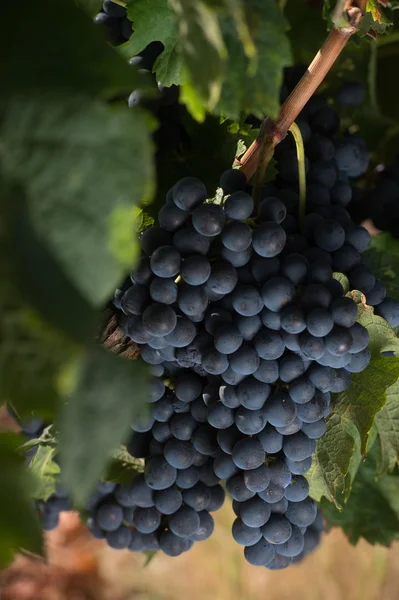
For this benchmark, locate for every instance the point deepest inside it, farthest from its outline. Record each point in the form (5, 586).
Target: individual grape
(152, 238)
(227, 339)
(120, 538)
(165, 262)
(345, 259)
(245, 360)
(312, 411)
(301, 390)
(272, 209)
(223, 278)
(159, 319)
(299, 467)
(183, 333)
(358, 237)
(315, 430)
(247, 300)
(351, 93)
(236, 236)
(360, 338)
(188, 241)
(228, 396)
(239, 206)
(277, 530)
(279, 472)
(377, 294)
(318, 195)
(272, 494)
(264, 268)
(268, 344)
(267, 372)
(232, 181)
(187, 478)
(244, 535)
(248, 326)
(217, 498)
(316, 255)
(291, 341)
(188, 193)
(257, 479)
(319, 273)
(197, 497)
(252, 393)
(254, 512)
(279, 563)
(204, 440)
(209, 219)
(188, 387)
(302, 514)
(227, 438)
(192, 300)
(295, 268)
(141, 493)
(248, 454)
(182, 426)
(236, 259)
(173, 545)
(224, 466)
(158, 343)
(388, 309)
(268, 239)
(323, 172)
(280, 410)
(179, 455)
(135, 299)
(351, 156)
(298, 446)
(319, 322)
(171, 217)
(277, 292)
(199, 410)
(270, 439)
(237, 489)
(315, 295)
(92, 526)
(143, 424)
(279, 508)
(232, 378)
(260, 554)
(109, 515)
(362, 279)
(195, 269)
(311, 347)
(329, 235)
(146, 520)
(151, 356)
(205, 528)
(160, 473)
(291, 367)
(161, 432)
(292, 319)
(294, 546)
(163, 290)
(250, 422)
(359, 361)
(321, 377)
(270, 319)
(220, 416)
(291, 428)
(338, 342)
(142, 274)
(214, 362)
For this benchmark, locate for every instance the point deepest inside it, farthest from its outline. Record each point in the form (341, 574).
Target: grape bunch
(113, 17)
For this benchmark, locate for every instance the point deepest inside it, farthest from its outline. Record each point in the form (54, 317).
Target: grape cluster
(116, 22)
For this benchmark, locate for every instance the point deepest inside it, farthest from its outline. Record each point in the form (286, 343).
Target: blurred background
(81, 568)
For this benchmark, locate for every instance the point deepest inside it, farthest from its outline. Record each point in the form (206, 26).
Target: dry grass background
(80, 568)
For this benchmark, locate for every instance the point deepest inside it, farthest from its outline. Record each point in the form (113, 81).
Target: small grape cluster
(114, 18)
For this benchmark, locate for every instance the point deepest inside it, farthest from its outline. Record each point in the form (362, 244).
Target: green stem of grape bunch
(300, 150)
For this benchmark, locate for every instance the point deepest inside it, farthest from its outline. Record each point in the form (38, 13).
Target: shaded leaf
(18, 525)
(123, 466)
(387, 424)
(109, 394)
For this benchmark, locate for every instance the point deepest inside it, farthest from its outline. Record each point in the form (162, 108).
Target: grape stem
(272, 132)
(300, 151)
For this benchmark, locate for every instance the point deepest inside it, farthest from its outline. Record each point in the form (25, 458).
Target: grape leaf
(372, 509)
(91, 7)
(82, 174)
(355, 407)
(109, 394)
(18, 525)
(248, 89)
(387, 424)
(45, 472)
(123, 466)
(155, 21)
(376, 19)
(384, 264)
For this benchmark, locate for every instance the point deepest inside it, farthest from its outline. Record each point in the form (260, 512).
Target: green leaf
(45, 472)
(356, 408)
(385, 264)
(202, 47)
(109, 394)
(387, 424)
(372, 509)
(255, 87)
(91, 7)
(83, 175)
(123, 466)
(18, 525)
(376, 18)
(155, 21)
(79, 60)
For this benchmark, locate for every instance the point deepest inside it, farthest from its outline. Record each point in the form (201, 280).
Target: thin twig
(300, 151)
